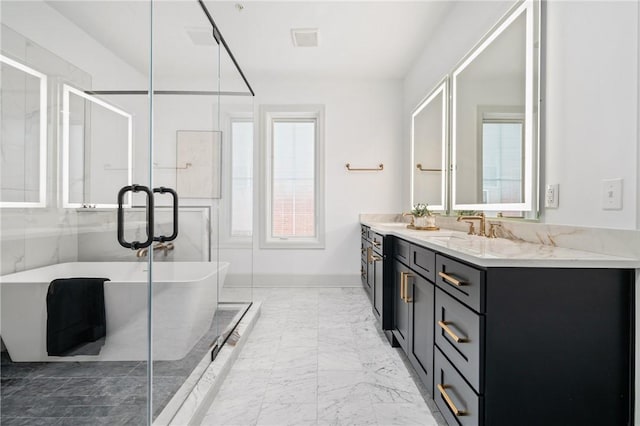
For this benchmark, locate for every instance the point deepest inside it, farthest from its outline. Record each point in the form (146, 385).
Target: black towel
(75, 314)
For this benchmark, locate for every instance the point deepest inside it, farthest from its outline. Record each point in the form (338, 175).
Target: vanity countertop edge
(500, 252)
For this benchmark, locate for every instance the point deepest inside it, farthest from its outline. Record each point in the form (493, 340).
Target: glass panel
(74, 302)
(241, 178)
(502, 177)
(293, 179)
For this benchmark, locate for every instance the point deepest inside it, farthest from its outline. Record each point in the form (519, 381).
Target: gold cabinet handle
(404, 294)
(451, 280)
(407, 299)
(376, 243)
(369, 255)
(450, 403)
(375, 258)
(445, 326)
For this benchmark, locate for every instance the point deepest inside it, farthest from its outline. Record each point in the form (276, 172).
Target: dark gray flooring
(94, 393)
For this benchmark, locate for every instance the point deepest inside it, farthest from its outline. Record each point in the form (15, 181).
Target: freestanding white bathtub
(185, 297)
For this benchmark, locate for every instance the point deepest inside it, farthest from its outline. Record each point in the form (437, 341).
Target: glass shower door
(74, 308)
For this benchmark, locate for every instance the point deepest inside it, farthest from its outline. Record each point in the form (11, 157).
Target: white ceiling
(357, 39)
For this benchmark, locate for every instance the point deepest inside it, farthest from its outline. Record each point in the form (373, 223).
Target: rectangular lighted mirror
(23, 150)
(96, 150)
(428, 149)
(495, 119)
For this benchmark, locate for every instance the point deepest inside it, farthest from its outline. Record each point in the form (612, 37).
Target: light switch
(612, 194)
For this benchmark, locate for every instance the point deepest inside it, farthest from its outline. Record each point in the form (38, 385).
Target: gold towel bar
(419, 167)
(380, 167)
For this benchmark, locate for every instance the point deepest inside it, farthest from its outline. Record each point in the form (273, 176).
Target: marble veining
(283, 377)
(515, 251)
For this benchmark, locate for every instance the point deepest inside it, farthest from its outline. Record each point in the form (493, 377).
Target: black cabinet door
(401, 307)
(421, 321)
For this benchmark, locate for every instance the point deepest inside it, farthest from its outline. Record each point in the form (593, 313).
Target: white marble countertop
(501, 252)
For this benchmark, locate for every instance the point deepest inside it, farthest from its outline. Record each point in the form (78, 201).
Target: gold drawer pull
(450, 403)
(376, 243)
(375, 258)
(445, 326)
(402, 285)
(451, 280)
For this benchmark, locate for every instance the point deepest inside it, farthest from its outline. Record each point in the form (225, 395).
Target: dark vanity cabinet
(516, 345)
(377, 271)
(414, 303)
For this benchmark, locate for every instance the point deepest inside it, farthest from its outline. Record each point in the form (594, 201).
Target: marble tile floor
(94, 393)
(316, 357)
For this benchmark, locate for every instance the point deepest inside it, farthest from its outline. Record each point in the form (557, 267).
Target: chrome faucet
(160, 246)
(479, 217)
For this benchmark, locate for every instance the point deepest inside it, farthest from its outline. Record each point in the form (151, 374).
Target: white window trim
(227, 240)
(269, 113)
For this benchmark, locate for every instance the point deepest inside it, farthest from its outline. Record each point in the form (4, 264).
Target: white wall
(592, 109)
(591, 100)
(362, 127)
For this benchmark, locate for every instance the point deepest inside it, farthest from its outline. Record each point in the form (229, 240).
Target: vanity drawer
(423, 261)
(364, 232)
(377, 241)
(364, 244)
(457, 333)
(461, 281)
(452, 393)
(402, 251)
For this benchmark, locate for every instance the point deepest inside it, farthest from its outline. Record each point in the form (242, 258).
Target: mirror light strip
(526, 7)
(42, 190)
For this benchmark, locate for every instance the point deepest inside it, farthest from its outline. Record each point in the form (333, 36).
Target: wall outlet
(612, 194)
(551, 196)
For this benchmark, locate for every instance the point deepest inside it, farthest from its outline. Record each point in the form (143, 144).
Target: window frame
(268, 115)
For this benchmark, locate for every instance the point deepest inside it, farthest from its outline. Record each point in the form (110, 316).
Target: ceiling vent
(201, 36)
(305, 37)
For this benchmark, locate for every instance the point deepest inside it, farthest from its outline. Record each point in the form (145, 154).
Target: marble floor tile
(404, 415)
(273, 414)
(337, 357)
(233, 412)
(296, 358)
(292, 387)
(345, 412)
(317, 357)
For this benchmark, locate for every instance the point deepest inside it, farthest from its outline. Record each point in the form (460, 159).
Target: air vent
(201, 36)
(305, 37)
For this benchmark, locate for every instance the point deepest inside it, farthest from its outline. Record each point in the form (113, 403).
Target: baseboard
(291, 280)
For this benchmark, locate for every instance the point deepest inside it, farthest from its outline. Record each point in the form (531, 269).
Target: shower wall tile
(31, 238)
(97, 240)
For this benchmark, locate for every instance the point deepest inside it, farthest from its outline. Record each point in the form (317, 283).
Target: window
(292, 159)
(241, 178)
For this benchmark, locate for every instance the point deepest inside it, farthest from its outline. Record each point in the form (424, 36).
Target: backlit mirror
(23, 142)
(494, 119)
(96, 150)
(428, 149)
